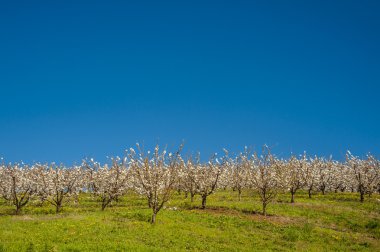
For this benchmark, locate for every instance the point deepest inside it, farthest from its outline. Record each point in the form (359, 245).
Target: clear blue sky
(91, 78)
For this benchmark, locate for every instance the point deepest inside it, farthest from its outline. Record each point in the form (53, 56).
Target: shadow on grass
(228, 210)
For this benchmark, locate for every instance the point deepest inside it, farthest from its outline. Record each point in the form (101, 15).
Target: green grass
(323, 223)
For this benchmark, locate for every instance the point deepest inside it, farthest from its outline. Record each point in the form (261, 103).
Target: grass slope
(330, 222)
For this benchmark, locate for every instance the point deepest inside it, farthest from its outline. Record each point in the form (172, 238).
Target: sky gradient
(91, 78)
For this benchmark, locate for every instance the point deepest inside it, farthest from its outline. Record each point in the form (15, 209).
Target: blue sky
(91, 78)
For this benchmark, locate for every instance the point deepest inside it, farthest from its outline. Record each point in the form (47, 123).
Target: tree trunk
(264, 208)
(361, 196)
(58, 207)
(104, 205)
(18, 209)
(292, 199)
(239, 194)
(153, 218)
(192, 197)
(204, 198)
(309, 192)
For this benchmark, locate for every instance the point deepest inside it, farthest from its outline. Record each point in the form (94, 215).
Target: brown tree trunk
(204, 198)
(361, 196)
(18, 209)
(153, 218)
(150, 202)
(104, 205)
(323, 190)
(58, 207)
(264, 208)
(292, 199)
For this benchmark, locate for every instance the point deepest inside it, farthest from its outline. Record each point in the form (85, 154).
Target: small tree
(107, 183)
(206, 179)
(154, 176)
(341, 176)
(311, 175)
(16, 184)
(239, 172)
(57, 183)
(189, 169)
(295, 171)
(263, 177)
(364, 172)
(325, 174)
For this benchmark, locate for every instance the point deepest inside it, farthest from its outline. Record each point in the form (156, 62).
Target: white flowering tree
(189, 170)
(58, 183)
(107, 183)
(311, 175)
(365, 173)
(325, 174)
(374, 166)
(206, 178)
(239, 170)
(154, 175)
(263, 177)
(16, 185)
(295, 174)
(341, 175)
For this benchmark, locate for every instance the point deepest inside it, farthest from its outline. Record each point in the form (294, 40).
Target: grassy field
(323, 223)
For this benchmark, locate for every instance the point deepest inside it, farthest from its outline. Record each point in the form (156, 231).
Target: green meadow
(332, 222)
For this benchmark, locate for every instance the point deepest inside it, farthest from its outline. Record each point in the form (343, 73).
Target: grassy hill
(336, 221)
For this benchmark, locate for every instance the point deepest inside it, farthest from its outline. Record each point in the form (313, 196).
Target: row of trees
(156, 175)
